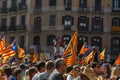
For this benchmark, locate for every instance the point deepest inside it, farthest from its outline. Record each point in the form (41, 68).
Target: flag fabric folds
(117, 62)
(2, 43)
(102, 55)
(9, 51)
(35, 57)
(71, 50)
(21, 52)
(90, 57)
(84, 48)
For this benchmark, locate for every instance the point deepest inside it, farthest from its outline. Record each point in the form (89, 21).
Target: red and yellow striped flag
(90, 57)
(9, 51)
(35, 57)
(117, 62)
(2, 43)
(84, 48)
(71, 50)
(21, 53)
(102, 55)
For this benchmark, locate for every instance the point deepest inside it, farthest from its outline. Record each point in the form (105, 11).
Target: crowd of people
(57, 70)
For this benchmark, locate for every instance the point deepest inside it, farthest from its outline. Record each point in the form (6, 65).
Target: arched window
(97, 41)
(38, 4)
(115, 45)
(116, 21)
(81, 40)
(36, 40)
(50, 40)
(37, 23)
(83, 23)
(66, 38)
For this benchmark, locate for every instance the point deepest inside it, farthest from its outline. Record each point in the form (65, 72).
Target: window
(23, 19)
(116, 4)
(23, 2)
(38, 4)
(81, 40)
(37, 23)
(67, 21)
(83, 22)
(97, 5)
(36, 40)
(97, 24)
(116, 21)
(4, 4)
(115, 45)
(13, 3)
(97, 41)
(12, 23)
(50, 40)
(83, 3)
(66, 38)
(3, 24)
(68, 4)
(52, 20)
(22, 41)
(52, 2)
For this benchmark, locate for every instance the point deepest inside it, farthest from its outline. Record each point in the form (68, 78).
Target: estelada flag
(71, 50)
(21, 52)
(117, 62)
(84, 48)
(102, 55)
(10, 51)
(35, 57)
(90, 57)
(2, 43)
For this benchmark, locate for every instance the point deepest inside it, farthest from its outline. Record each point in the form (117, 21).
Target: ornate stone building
(38, 22)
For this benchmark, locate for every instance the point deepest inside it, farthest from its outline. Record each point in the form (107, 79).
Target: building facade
(35, 23)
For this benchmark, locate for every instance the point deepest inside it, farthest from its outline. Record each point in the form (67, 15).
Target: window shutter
(72, 20)
(63, 19)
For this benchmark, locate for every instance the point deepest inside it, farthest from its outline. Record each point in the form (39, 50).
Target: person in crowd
(106, 71)
(69, 68)
(115, 74)
(23, 67)
(8, 73)
(74, 74)
(92, 71)
(17, 74)
(32, 71)
(2, 74)
(41, 68)
(49, 66)
(60, 68)
(26, 75)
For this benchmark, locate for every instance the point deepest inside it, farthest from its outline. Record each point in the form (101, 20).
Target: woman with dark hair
(106, 71)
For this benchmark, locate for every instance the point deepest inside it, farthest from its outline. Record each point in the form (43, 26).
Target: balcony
(115, 28)
(83, 29)
(37, 10)
(13, 9)
(97, 29)
(3, 28)
(116, 9)
(83, 10)
(36, 28)
(21, 27)
(4, 10)
(97, 10)
(22, 6)
(11, 28)
(67, 27)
